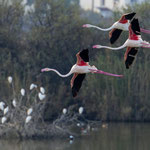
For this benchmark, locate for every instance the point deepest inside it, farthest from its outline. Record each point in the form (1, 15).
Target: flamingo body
(79, 71)
(132, 43)
(116, 29)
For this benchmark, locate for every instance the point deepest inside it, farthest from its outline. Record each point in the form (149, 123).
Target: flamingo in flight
(132, 43)
(121, 25)
(79, 71)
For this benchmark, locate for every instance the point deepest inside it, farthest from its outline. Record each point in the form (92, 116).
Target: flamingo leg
(146, 46)
(145, 31)
(105, 73)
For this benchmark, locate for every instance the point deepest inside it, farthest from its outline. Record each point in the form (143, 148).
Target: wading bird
(121, 25)
(132, 43)
(79, 71)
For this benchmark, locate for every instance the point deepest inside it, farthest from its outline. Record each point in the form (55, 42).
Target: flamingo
(79, 71)
(132, 43)
(121, 25)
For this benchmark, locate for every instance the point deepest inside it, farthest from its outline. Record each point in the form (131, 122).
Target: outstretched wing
(129, 56)
(76, 83)
(135, 26)
(82, 57)
(129, 16)
(114, 35)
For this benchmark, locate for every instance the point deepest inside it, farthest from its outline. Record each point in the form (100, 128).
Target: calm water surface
(117, 136)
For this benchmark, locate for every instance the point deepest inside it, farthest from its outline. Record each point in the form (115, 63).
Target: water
(115, 136)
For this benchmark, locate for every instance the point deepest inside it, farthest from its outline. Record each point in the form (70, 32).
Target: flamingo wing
(114, 35)
(135, 26)
(129, 16)
(76, 83)
(129, 56)
(84, 54)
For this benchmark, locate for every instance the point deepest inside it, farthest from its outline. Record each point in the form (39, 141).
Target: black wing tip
(129, 16)
(130, 59)
(74, 93)
(115, 35)
(84, 54)
(112, 40)
(135, 26)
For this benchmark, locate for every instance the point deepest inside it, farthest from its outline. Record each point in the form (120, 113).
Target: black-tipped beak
(129, 16)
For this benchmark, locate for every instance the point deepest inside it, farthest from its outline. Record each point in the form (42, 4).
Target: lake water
(115, 136)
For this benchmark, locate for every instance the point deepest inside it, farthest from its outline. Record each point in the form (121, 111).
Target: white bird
(132, 43)
(10, 79)
(78, 124)
(14, 102)
(29, 111)
(64, 111)
(116, 29)
(79, 71)
(81, 109)
(22, 92)
(6, 110)
(28, 118)
(71, 137)
(3, 120)
(2, 104)
(42, 90)
(41, 96)
(32, 86)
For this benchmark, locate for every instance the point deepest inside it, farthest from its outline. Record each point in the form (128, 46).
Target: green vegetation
(50, 36)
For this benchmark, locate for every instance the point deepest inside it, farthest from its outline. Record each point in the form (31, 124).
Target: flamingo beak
(43, 70)
(96, 46)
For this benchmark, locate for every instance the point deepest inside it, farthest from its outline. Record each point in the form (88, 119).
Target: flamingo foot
(105, 73)
(145, 31)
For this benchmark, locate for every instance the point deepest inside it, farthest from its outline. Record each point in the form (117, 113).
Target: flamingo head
(87, 26)
(97, 46)
(44, 69)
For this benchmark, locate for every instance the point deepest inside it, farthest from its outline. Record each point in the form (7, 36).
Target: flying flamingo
(121, 25)
(79, 71)
(132, 43)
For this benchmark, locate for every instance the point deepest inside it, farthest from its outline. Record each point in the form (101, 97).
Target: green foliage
(50, 36)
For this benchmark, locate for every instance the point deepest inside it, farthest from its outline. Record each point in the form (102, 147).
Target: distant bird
(28, 118)
(10, 79)
(104, 125)
(6, 110)
(79, 70)
(71, 137)
(22, 92)
(2, 104)
(14, 103)
(64, 111)
(29, 111)
(121, 25)
(132, 43)
(41, 96)
(42, 90)
(32, 86)
(78, 124)
(3, 120)
(81, 109)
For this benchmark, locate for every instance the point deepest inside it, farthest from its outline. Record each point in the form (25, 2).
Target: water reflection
(117, 136)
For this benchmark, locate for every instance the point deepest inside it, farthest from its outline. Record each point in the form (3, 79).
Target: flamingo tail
(105, 73)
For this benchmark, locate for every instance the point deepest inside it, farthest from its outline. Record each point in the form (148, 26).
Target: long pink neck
(61, 75)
